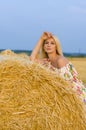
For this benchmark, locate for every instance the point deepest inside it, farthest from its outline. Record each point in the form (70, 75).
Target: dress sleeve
(68, 72)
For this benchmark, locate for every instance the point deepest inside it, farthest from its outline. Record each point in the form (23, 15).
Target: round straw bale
(34, 98)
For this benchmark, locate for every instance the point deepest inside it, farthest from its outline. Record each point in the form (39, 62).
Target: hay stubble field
(80, 65)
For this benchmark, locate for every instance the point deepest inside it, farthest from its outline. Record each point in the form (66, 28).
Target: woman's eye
(52, 42)
(46, 42)
(49, 42)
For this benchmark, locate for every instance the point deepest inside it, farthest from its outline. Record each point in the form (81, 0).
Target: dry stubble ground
(80, 65)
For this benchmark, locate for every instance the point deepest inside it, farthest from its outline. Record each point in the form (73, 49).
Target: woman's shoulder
(62, 61)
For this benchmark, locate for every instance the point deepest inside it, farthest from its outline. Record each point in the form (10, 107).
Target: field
(80, 65)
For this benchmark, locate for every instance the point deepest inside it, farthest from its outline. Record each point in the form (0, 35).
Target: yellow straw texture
(34, 98)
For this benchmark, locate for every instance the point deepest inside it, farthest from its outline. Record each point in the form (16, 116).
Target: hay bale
(34, 98)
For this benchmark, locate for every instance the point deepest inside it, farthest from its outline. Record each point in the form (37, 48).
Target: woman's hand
(46, 35)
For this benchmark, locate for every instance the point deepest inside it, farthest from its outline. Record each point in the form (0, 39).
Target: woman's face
(50, 46)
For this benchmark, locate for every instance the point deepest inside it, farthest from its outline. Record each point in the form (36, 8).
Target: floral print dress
(69, 73)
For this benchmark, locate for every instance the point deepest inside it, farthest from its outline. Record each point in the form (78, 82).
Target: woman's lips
(48, 48)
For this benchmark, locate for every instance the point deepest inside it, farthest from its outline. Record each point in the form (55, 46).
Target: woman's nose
(49, 43)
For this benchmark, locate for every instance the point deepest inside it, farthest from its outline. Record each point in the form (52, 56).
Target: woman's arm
(36, 49)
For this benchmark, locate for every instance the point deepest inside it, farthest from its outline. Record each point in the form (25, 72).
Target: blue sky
(22, 23)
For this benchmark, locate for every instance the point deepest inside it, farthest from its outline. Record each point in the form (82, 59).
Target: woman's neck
(52, 57)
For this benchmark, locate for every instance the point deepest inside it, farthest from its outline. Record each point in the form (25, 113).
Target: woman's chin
(49, 52)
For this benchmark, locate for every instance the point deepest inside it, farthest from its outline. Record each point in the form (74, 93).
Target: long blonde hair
(43, 54)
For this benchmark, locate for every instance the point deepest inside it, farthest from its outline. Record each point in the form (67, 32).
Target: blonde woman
(48, 48)
(48, 52)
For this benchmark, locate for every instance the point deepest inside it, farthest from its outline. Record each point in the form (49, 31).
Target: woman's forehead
(50, 39)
